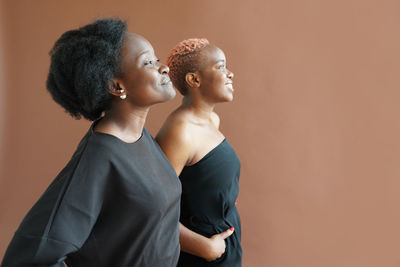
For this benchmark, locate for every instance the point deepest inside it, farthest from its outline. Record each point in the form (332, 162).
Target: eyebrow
(143, 52)
(221, 61)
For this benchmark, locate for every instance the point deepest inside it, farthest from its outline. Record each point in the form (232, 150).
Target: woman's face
(144, 79)
(215, 79)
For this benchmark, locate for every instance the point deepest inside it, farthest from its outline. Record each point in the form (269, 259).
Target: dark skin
(144, 82)
(192, 130)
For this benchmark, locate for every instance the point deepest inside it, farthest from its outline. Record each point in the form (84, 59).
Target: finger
(227, 233)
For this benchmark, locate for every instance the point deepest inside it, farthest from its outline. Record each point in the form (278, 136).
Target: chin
(170, 94)
(166, 93)
(229, 98)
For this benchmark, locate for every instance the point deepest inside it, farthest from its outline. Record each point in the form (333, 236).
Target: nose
(230, 74)
(163, 69)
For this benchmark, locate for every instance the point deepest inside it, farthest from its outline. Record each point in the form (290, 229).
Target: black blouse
(114, 204)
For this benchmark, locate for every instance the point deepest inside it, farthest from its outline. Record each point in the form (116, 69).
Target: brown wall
(2, 83)
(315, 118)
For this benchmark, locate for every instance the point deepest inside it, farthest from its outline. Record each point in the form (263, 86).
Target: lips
(165, 81)
(229, 85)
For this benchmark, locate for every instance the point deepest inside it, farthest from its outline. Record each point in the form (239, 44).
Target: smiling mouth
(229, 85)
(165, 82)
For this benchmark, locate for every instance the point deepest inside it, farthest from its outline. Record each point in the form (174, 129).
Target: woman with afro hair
(207, 165)
(116, 203)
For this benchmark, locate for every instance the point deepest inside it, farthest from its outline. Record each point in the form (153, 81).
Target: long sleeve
(36, 251)
(62, 219)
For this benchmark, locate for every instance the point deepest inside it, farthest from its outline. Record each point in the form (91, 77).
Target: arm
(35, 251)
(62, 219)
(176, 142)
(207, 248)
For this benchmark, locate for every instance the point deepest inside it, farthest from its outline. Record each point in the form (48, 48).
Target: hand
(217, 245)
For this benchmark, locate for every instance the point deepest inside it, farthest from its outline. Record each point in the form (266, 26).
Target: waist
(210, 225)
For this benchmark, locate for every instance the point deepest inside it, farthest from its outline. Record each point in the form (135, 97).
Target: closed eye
(151, 62)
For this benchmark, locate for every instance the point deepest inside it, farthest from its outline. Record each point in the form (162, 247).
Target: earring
(122, 96)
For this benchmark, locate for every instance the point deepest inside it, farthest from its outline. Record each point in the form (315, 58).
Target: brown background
(315, 118)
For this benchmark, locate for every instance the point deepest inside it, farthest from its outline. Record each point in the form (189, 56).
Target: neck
(124, 121)
(198, 106)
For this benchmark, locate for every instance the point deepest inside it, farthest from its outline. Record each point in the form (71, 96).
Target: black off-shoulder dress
(209, 191)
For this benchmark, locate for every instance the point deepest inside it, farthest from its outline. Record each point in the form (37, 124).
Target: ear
(117, 88)
(193, 79)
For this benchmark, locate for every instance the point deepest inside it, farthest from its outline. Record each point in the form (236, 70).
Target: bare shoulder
(175, 129)
(176, 140)
(215, 119)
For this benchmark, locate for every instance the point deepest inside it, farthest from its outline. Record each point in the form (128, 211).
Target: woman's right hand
(216, 245)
